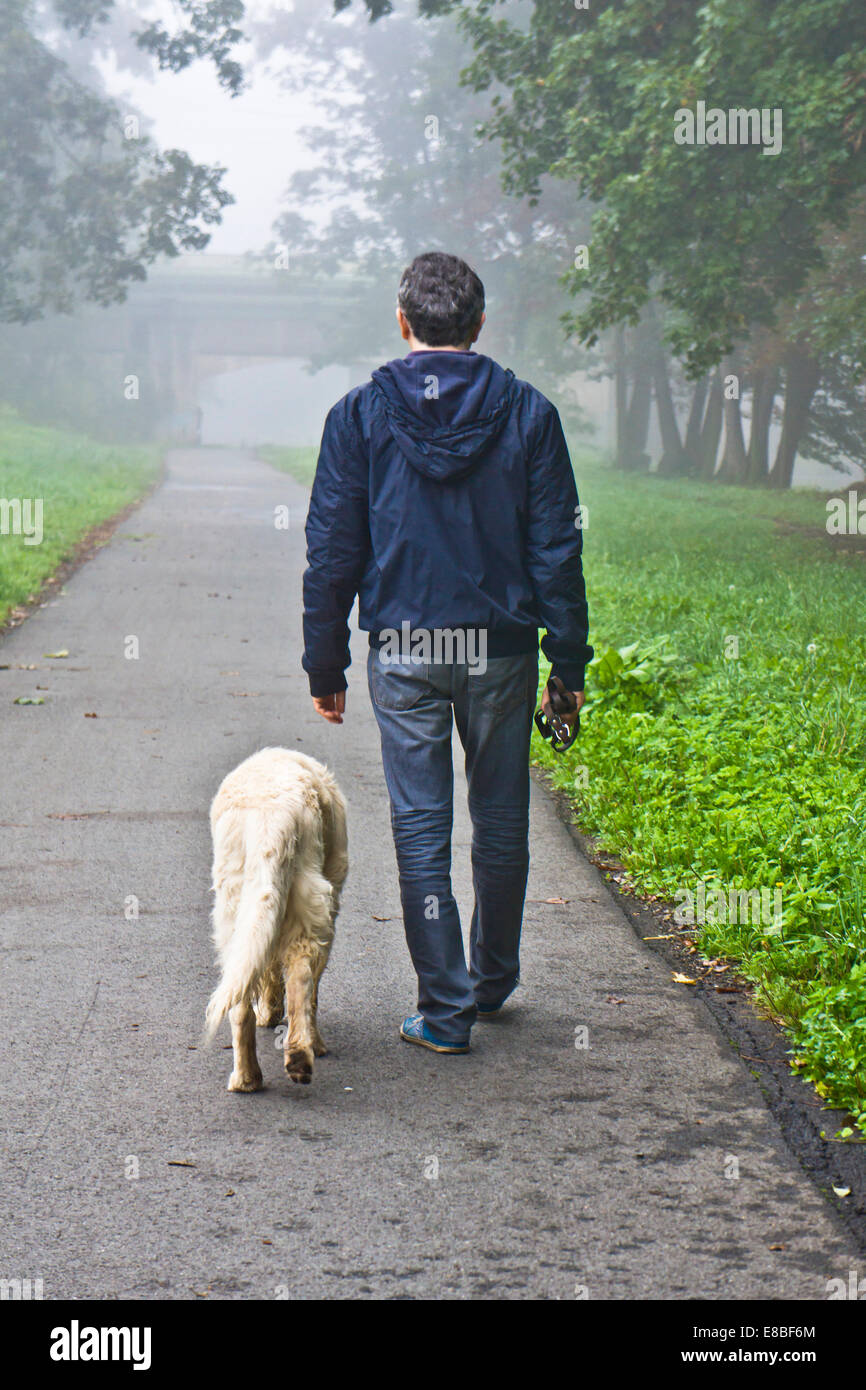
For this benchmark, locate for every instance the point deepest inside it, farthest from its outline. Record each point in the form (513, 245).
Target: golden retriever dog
(279, 863)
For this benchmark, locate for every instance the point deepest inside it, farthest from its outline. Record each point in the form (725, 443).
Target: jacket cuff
(571, 675)
(326, 682)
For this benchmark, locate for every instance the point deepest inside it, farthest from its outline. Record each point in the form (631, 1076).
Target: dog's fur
(279, 838)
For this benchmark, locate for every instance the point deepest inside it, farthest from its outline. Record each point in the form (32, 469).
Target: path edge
(94, 539)
(757, 1042)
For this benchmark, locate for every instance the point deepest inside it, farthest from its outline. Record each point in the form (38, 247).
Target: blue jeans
(493, 711)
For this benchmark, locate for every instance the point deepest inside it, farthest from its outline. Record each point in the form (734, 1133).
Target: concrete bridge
(204, 316)
(141, 369)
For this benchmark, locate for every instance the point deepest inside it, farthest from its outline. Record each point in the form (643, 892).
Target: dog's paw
(237, 1082)
(320, 1047)
(299, 1066)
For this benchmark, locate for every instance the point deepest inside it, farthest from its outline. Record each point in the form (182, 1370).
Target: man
(445, 499)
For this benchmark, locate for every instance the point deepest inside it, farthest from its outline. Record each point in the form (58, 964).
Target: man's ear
(404, 324)
(481, 322)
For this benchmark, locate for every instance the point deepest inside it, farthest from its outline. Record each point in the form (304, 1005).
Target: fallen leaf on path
(381, 919)
(776, 1247)
(180, 1163)
(91, 715)
(56, 656)
(668, 936)
(842, 1191)
(614, 999)
(29, 700)
(679, 979)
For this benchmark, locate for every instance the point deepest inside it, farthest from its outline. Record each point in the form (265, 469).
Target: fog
(349, 147)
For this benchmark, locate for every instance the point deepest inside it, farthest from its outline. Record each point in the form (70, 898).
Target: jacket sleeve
(554, 549)
(338, 547)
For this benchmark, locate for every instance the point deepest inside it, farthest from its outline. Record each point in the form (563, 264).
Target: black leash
(561, 702)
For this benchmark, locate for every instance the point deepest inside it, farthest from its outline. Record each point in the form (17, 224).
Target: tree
(400, 169)
(723, 234)
(733, 242)
(88, 203)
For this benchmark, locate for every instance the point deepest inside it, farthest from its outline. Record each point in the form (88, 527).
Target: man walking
(445, 499)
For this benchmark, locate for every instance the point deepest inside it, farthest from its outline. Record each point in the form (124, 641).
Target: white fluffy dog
(279, 836)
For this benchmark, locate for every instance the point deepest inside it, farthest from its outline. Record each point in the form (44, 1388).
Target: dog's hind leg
(299, 1049)
(247, 1074)
(320, 1047)
(271, 1001)
(309, 935)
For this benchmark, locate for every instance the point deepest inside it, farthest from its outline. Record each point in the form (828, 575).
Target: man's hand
(568, 719)
(331, 707)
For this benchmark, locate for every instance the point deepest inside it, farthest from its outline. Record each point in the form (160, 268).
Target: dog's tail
(268, 856)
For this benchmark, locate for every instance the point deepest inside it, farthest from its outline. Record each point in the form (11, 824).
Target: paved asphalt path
(528, 1169)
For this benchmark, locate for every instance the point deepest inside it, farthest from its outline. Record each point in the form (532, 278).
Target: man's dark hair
(442, 298)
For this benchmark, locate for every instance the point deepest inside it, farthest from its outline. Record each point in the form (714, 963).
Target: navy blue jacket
(444, 496)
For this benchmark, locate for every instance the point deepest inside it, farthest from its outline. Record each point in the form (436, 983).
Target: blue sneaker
(414, 1030)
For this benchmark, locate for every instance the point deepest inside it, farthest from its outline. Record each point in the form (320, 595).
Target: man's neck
(425, 347)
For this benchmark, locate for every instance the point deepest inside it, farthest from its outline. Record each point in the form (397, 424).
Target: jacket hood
(444, 409)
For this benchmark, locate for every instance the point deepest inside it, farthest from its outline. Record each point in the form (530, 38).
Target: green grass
(299, 461)
(743, 772)
(81, 484)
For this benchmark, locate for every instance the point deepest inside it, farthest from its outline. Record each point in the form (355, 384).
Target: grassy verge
(724, 740)
(80, 484)
(299, 461)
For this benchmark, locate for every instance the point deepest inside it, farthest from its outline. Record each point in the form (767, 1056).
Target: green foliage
(80, 483)
(831, 1038)
(211, 32)
(637, 678)
(747, 772)
(724, 234)
(86, 207)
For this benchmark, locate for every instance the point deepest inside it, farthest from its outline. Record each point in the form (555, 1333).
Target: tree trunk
(735, 464)
(637, 426)
(632, 412)
(711, 430)
(693, 428)
(763, 398)
(621, 388)
(673, 459)
(802, 375)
